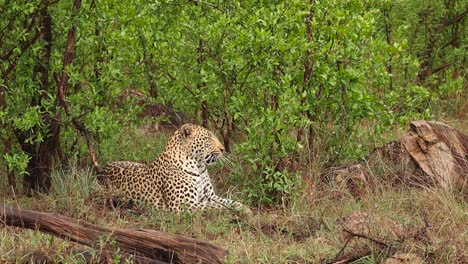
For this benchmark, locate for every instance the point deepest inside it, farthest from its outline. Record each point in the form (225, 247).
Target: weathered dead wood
(429, 153)
(108, 256)
(143, 242)
(86, 256)
(438, 152)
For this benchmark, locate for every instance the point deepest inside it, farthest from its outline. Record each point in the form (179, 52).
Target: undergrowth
(306, 233)
(304, 230)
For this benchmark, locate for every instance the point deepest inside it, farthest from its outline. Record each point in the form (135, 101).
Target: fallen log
(82, 256)
(144, 243)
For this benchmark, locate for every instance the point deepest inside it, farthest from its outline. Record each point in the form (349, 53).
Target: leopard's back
(137, 181)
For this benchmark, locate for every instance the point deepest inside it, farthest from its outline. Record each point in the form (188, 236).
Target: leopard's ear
(187, 129)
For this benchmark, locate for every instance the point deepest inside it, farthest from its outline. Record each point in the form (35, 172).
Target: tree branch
(375, 241)
(63, 85)
(168, 74)
(24, 45)
(451, 21)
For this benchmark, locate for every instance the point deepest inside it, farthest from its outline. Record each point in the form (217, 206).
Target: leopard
(177, 179)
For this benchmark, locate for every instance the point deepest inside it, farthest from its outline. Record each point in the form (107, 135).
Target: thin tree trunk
(227, 117)
(7, 144)
(202, 85)
(63, 85)
(204, 112)
(40, 165)
(308, 72)
(39, 24)
(388, 34)
(280, 161)
(307, 65)
(150, 69)
(11, 174)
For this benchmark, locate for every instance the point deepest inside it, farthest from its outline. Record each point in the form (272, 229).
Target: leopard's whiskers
(227, 161)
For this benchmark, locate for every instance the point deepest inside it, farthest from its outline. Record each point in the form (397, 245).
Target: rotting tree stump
(146, 245)
(429, 154)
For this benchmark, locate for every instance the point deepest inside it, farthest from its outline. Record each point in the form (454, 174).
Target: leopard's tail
(96, 167)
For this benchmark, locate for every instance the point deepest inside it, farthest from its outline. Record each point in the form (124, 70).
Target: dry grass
(306, 231)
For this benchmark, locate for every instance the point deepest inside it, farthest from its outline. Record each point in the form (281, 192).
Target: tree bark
(11, 174)
(202, 84)
(150, 69)
(389, 37)
(7, 144)
(151, 244)
(228, 119)
(308, 72)
(40, 164)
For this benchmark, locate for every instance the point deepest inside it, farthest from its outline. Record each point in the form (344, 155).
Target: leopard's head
(200, 143)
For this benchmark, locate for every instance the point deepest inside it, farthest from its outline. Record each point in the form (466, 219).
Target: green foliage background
(373, 65)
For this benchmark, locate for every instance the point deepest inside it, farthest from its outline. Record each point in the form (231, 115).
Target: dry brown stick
(378, 242)
(346, 258)
(338, 255)
(148, 243)
(349, 257)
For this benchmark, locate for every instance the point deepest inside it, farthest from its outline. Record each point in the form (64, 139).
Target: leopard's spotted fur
(178, 178)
